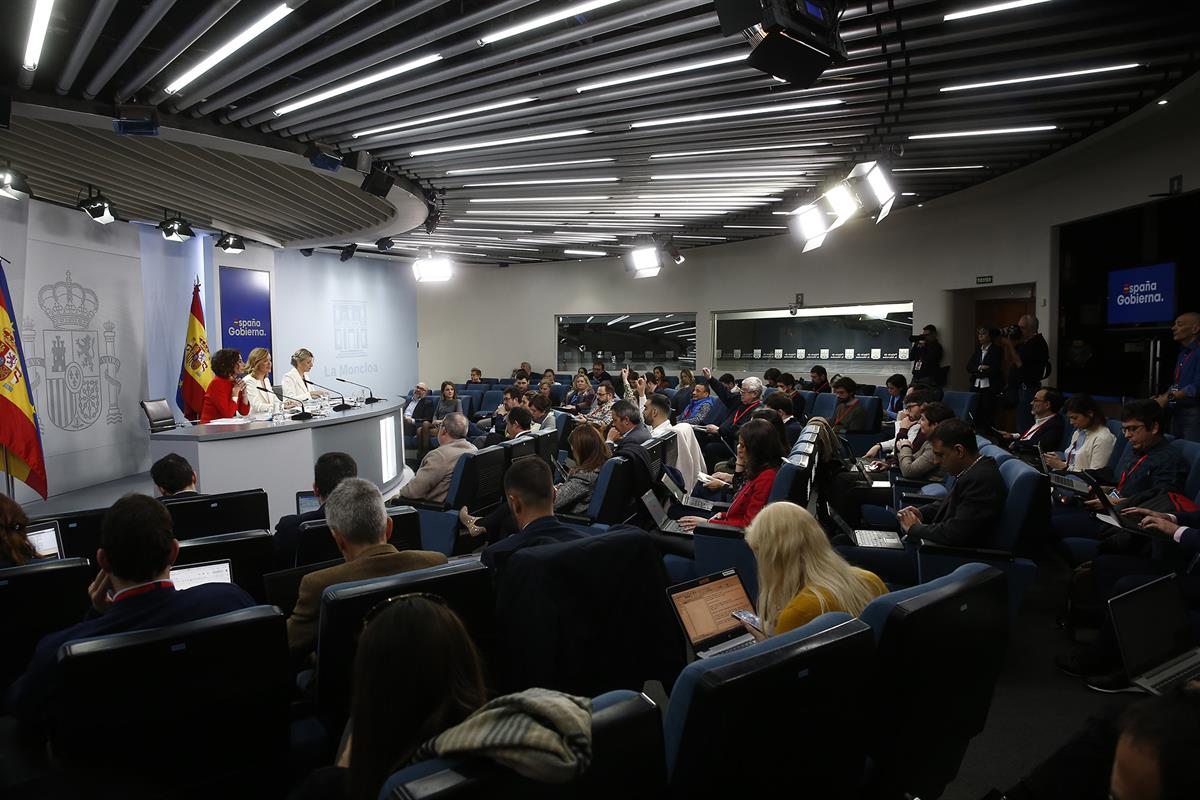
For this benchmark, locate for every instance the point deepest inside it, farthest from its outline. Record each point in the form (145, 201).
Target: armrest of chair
(420, 505)
(717, 529)
(926, 547)
(577, 519)
(918, 498)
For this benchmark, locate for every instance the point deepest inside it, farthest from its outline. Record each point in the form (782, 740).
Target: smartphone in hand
(750, 618)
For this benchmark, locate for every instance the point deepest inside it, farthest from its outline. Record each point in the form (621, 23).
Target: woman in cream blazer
(1091, 444)
(258, 367)
(293, 381)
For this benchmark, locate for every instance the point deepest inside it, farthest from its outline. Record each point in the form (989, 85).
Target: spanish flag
(196, 372)
(19, 431)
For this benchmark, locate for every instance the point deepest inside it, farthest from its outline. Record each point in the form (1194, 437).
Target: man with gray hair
(432, 481)
(721, 441)
(360, 526)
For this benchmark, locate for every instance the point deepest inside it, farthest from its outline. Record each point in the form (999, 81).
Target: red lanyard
(1179, 367)
(143, 589)
(739, 414)
(1130, 471)
(1034, 427)
(845, 410)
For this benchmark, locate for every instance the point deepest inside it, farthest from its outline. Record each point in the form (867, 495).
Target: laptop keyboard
(875, 538)
(1068, 482)
(1171, 679)
(734, 649)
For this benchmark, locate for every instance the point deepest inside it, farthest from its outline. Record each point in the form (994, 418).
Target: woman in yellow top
(800, 575)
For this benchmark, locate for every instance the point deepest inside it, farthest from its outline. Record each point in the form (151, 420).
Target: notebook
(1154, 634)
(704, 607)
(43, 535)
(189, 575)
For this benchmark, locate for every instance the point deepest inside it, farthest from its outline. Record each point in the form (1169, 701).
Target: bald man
(1184, 395)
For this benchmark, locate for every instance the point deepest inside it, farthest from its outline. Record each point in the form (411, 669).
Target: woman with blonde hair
(295, 384)
(258, 388)
(800, 575)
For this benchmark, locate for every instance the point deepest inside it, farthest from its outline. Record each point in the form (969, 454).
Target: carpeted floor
(1036, 708)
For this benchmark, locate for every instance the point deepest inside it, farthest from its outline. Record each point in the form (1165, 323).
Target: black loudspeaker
(794, 40)
(378, 183)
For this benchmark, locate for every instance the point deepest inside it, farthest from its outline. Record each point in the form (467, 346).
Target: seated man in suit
(361, 527)
(174, 477)
(793, 425)
(966, 517)
(688, 458)
(529, 489)
(132, 592)
(516, 423)
(627, 427)
(1047, 427)
(432, 480)
(329, 470)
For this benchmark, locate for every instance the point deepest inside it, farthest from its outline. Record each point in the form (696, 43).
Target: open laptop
(664, 523)
(683, 497)
(1111, 514)
(43, 535)
(189, 575)
(1154, 634)
(866, 537)
(705, 606)
(1065, 481)
(870, 473)
(306, 502)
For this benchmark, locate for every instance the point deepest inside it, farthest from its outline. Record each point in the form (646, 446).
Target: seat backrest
(565, 423)
(791, 484)
(824, 405)
(545, 444)
(874, 411)
(657, 449)
(612, 496)
(882, 393)
(963, 404)
(808, 398)
(491, 399)
(283, 586)
(478, 480)
(518, 448)
(627, 762)
(211, 514)
(196, 698)
(1191, 454)
(670, 441)
(981, 442)
(996, 452)
(80, 532)
(249, 553)
(465, 586)
(1027, 509)
(868, 389)
(37, 599)
(315, 542)
(1119, 446)
(470, 402)
(942, 644)
(159, 415)
(721, 547)
(808, 682)
(769, 390)
(1068, 430)
(557, 391)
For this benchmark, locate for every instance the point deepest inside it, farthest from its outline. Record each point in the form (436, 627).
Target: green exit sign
(982, 279)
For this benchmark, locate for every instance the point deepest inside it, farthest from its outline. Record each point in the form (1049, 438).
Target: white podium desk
(279, 456)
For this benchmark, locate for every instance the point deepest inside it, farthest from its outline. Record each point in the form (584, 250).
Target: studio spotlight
(870, 183)
(14, 185)
(384, 244)
(175, 229)
(790, 41)
(306, 252)
(647, 262)
(323, 157)
(231, 243)
(809, 225)
(97, 207)
(675, 255)
(842, 204)
(347, 252)
(431, 269)
(378, 183)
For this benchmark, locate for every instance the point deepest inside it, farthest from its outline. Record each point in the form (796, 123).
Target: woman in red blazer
(225, 396)
(759, 456)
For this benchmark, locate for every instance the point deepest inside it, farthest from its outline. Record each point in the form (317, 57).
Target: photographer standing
(926, 355)
(1030, 358)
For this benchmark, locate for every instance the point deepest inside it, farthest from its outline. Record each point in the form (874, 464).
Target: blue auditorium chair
(940, 647)
(861, 441)
(627, 762)
(807, 398)
(249, 552)
(612, 497)
(210, 514)
(802, 696)
(823, 405)
(491, 400)
(963, 404)
(996, 452)
(673, 381)
(36, 599)
(477, 483)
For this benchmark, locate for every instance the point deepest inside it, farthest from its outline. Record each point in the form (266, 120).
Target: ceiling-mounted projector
(794, 40)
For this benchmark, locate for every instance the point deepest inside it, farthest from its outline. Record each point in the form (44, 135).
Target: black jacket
(1050, 435)
(546, 530)
(287, 537)
(1035, 361)
(970, 513)
(994, 360)
(738, 417)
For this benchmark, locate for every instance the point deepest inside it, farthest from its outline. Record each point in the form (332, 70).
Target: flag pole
(9, 485)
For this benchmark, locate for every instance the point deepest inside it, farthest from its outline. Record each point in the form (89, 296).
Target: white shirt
(981, 382)
(261, 403)
(889, 445)
(689, 460)
(294, 386)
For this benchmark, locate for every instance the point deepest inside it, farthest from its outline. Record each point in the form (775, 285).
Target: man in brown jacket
(432, 481)
(361, 527)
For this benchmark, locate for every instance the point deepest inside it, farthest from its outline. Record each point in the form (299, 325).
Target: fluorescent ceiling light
(765, 173)
(1031, 78)
(539, 183)
(757, 227)
(991, 9)
(483, 230)
(665, 327)
(367, 80)
(938, 169)
(535, 165)
(688, 236)
(531, 213)
(585, 252)
(582, 234)
(793, 146)
(589, 319)
(737, 112)
(545, 19)
(578, 198)
(733, 198)
(229, 48)
(618, 319)
(450, 148)
(647, 322)
(908, 194)
(462, 112)
(658, 73)
(37, 34)
(984, 132)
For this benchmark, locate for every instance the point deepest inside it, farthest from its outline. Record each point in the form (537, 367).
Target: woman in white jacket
(294, 384)
(258, 385)
(1091, 444)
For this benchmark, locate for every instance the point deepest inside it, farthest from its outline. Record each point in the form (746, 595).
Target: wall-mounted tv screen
(1141, 295)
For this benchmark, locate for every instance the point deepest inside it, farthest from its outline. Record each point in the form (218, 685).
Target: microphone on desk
(342, 406)
(371, 398)
(303, 415)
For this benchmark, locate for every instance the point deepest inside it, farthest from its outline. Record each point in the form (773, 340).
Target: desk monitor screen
(45, 539)
(189, 575)
(306, 502)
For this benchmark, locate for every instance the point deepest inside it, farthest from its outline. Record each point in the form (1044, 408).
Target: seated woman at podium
(258, 388)
(295, 384)
(226, 393)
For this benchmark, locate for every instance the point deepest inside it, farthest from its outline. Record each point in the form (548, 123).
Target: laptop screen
(706, 609)
(306, 502)
(186, 577)
(44, 538)
(672, 486)
(1152, 625)
(655, 508)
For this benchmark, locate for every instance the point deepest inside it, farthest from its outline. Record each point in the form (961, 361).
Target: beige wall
(495, 318)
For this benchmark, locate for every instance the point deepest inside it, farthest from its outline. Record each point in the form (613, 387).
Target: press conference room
(599, 398)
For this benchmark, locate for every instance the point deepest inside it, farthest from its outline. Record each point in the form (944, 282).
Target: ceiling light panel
(962, 87)
(367, 80)
(462, 112)
(540, 137)
(991, 8)
(531, 166)
(776, 108)
(658, 73)
(573, 10)
(984, 132)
